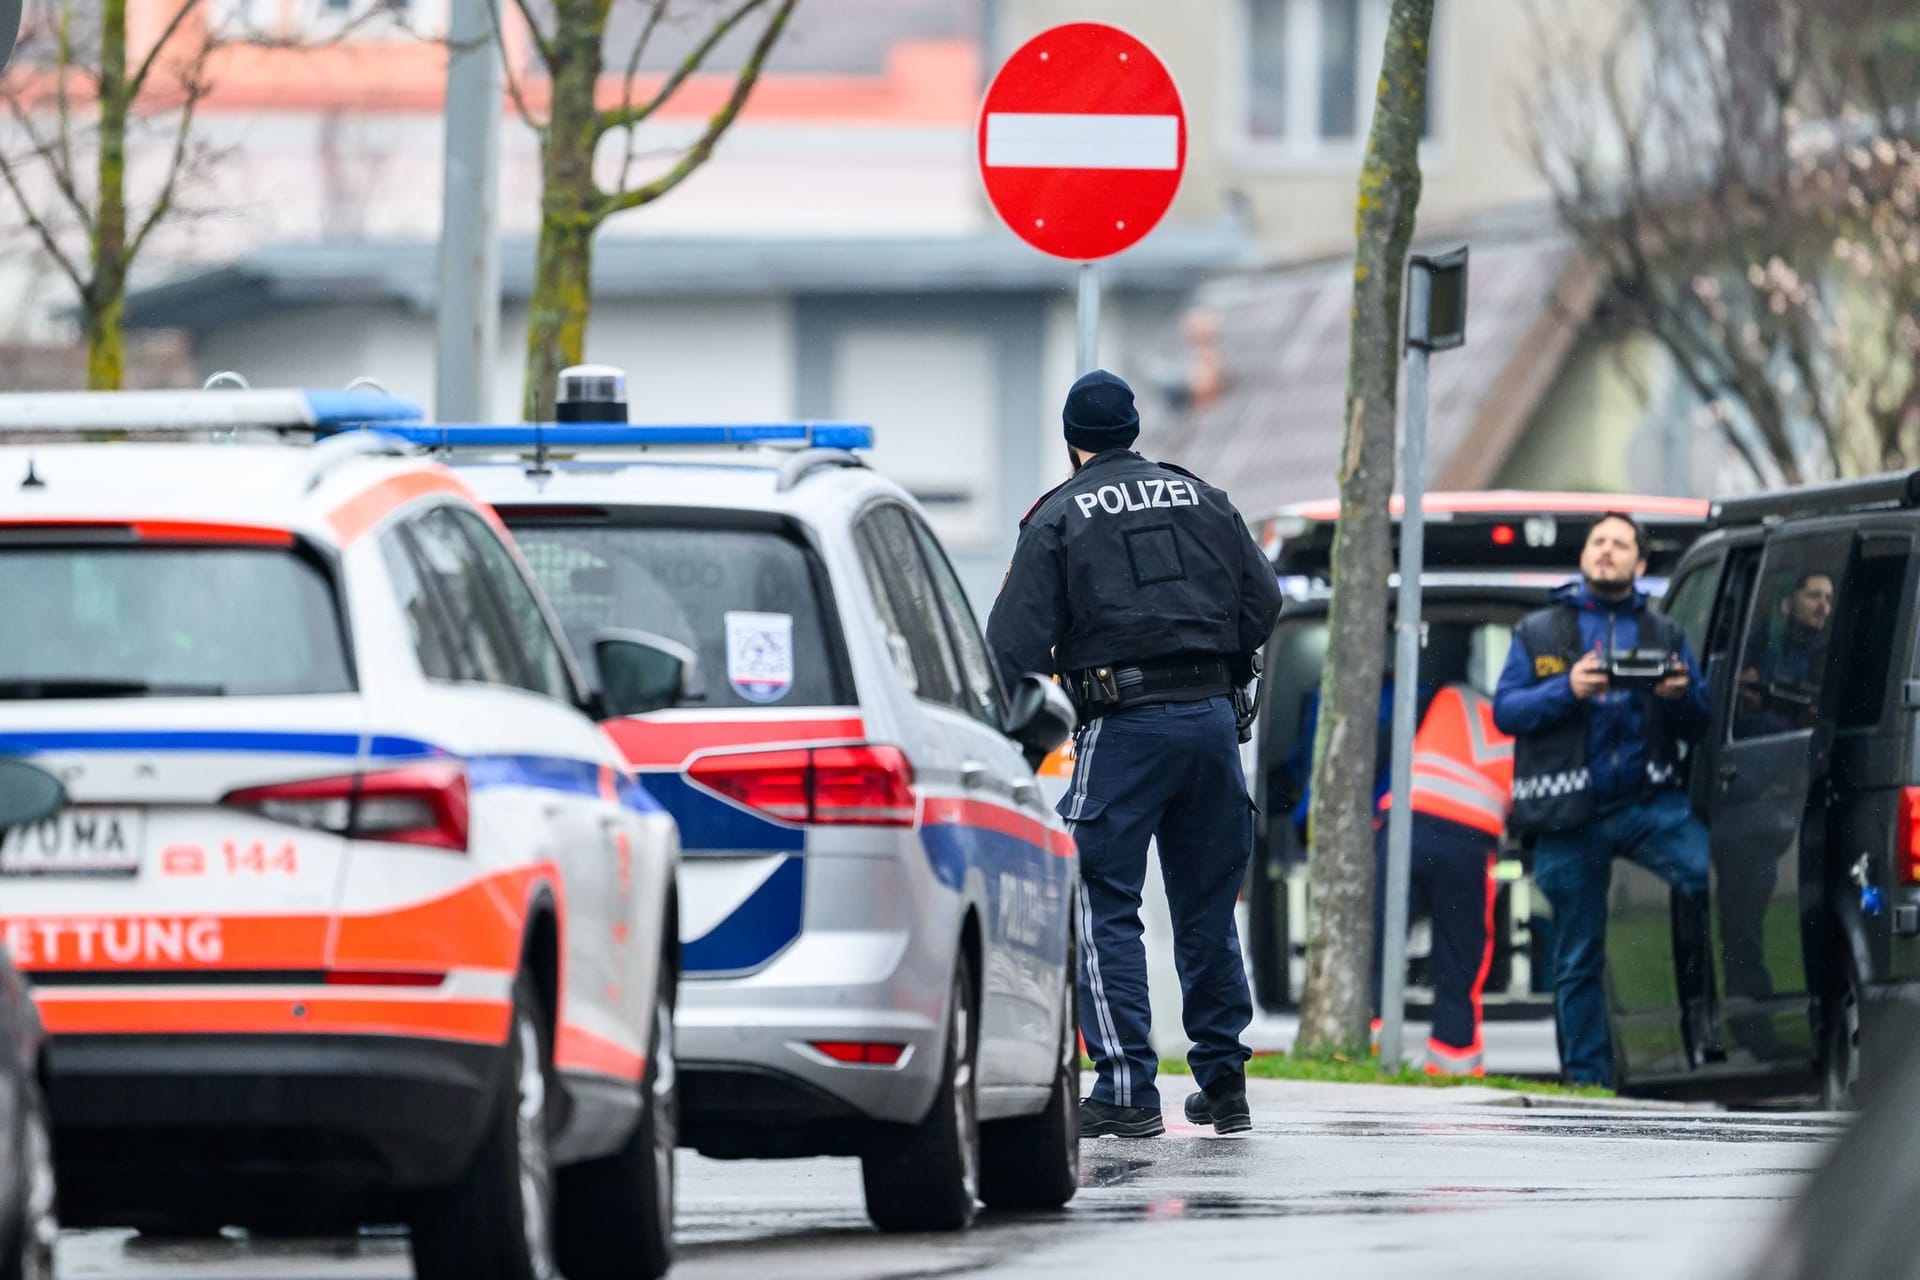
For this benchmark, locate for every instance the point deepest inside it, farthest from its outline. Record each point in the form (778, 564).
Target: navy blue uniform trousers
(1172, 771)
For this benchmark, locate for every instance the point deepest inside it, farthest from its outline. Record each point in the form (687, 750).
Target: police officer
(1596, 775)
(1462, 789)
(1139, 586)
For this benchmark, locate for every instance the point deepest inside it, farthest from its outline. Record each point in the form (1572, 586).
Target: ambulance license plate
(78, 842)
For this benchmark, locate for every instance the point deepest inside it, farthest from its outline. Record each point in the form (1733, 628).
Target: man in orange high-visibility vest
(1462, 790)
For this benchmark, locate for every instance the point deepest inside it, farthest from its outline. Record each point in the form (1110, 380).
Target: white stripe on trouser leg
(1102, 1015)
(1083, 770)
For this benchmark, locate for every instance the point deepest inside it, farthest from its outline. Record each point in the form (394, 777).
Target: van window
(147, 621)
(1783, 660)
(1875, 590)
(1689, 605)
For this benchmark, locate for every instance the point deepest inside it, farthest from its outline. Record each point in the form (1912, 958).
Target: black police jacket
(1131, 561)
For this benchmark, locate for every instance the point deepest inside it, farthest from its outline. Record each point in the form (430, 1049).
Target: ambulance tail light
(420, 804)
(1908, 836)
(866, 785)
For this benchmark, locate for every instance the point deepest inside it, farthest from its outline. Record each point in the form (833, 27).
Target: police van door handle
(974, 776)
(1728, 772)
(1025, 793)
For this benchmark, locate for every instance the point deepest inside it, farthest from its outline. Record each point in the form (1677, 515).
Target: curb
(1554, 1102)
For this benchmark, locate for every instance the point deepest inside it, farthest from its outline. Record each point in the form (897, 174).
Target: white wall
(725, 359)
(686, 360)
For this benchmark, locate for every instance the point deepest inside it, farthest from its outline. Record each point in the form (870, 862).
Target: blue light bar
(344, 408)
(570, 435)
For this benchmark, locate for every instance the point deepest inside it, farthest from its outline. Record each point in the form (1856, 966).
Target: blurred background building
(838, 259)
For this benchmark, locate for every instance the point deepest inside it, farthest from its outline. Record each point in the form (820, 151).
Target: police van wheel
(1840, 1041)
(1033, 1162)
(496, 1221)
(615, 1214)
(926, 1176)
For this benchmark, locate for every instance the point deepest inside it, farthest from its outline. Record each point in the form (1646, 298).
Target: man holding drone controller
(1598, 692)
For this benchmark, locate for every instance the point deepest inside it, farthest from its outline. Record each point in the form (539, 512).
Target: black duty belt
(1103, 689)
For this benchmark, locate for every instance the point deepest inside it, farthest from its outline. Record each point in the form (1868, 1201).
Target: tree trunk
(104, 301)
(569, 213)
(1338, 999)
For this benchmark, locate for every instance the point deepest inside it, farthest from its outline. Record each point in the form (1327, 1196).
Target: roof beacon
(591, 393)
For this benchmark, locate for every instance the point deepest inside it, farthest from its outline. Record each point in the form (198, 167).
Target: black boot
(1223, 1105)
(1108, 1120)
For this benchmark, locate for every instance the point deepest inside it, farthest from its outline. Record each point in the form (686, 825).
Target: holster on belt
(1100, 690)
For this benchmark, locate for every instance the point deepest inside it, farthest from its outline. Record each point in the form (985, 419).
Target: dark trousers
(1171, 772)
(1574, 868)
(1453, 877)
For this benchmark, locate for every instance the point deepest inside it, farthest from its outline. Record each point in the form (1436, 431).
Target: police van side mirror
(1039, 717)
(28, 794)
(640, 672)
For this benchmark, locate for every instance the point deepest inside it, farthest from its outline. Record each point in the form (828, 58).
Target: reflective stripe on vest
(1462, 763)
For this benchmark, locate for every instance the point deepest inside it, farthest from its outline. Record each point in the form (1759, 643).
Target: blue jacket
(1299, 761)
(1525, 703)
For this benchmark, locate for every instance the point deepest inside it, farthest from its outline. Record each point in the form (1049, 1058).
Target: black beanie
(1099, 414)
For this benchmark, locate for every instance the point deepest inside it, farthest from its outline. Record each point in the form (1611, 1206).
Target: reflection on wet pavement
(1360, 1193)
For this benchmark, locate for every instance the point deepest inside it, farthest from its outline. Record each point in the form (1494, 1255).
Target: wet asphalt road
(1335, 1181)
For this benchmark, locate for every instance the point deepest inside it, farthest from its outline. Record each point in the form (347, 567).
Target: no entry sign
(1082, 141)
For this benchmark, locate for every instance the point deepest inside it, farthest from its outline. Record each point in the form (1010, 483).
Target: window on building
(1310, 70)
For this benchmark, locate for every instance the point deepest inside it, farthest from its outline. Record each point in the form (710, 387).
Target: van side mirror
(28, 794)
(1040, 717)
(640, 672)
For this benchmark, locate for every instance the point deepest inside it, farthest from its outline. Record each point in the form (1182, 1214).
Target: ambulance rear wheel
(496, 1221)
(616, 1213)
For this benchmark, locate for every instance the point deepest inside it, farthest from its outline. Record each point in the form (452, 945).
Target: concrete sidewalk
(1273, 1098)
(1516, 1048)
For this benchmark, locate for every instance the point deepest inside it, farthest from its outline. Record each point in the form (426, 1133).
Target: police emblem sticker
(760, 655)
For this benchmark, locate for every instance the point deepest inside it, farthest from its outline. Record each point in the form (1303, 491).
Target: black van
(1800, 605)
(1491, 558)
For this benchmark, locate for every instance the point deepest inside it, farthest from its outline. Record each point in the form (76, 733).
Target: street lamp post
(1436, 321)
(467, 305)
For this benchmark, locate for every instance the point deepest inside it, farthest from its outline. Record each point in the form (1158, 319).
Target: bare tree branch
(626, 86)
(197, 87)
(628, 116)
(701, 150)
(62, 63)
(49, 154)
(515, 92)
(542, 44)
(139, 80)
(48, 241)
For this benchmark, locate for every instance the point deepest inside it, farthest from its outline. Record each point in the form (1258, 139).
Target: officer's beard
(1073, 461)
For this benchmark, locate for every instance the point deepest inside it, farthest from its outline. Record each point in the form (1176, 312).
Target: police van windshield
(1459, 644)
(144, 621)
(748, 602)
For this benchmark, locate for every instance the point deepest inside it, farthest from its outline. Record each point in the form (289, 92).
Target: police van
(1491, 558)
(1802, 606)
(877, 905)
(354, 915)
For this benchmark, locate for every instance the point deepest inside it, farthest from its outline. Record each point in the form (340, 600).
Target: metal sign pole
(9, 29)
(1406, 680)
(467, 317)
(1086, 354)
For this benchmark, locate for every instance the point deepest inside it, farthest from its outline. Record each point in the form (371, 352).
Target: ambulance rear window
(747, 601)
(132, 620)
